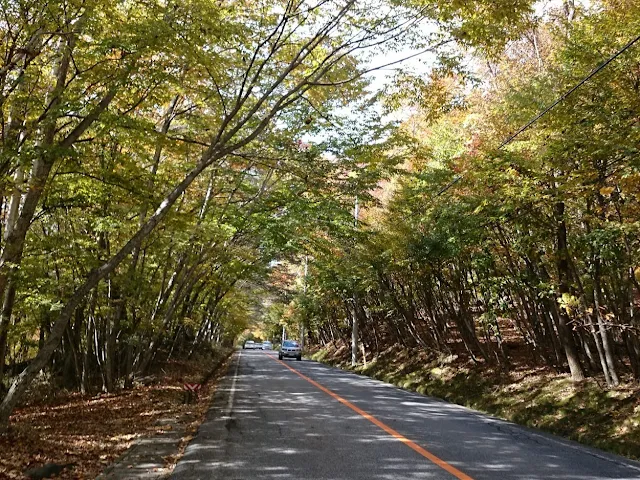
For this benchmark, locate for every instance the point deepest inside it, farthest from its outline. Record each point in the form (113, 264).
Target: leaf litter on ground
(92, 431)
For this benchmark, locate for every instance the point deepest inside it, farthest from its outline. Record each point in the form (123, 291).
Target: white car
(250, 345)
(291, 349)
(267, 345)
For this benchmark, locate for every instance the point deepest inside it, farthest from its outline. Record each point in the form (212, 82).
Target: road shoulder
(155, 457)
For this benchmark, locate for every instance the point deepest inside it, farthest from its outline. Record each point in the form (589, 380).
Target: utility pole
(354, 323)
(304, 291)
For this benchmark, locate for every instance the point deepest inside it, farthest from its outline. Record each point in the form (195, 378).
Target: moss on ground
(535, 397)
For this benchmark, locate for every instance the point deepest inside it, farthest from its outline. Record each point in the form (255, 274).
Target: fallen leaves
(93, 431)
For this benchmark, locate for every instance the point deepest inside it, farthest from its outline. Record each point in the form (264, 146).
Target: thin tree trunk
(89, 333)
(562, 264)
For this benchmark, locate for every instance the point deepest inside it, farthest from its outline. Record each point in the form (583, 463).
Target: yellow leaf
(606, 191)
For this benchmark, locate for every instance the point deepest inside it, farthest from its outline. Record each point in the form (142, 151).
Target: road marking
(232, 393)
(417, 448)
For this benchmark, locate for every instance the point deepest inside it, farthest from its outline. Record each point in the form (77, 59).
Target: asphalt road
(269, 422)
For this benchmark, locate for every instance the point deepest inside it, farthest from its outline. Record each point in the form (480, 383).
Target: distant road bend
(285, 420)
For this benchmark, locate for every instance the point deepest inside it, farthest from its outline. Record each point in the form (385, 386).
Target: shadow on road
(282, 427)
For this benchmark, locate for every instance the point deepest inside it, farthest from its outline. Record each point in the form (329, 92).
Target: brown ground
(93, 431)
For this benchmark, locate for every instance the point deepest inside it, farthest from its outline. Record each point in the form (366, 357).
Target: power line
(559, 100)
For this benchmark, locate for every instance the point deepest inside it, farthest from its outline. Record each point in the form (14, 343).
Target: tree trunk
(354, 331)
(564, 273)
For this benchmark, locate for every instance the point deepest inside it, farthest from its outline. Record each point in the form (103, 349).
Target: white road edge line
(232, 392)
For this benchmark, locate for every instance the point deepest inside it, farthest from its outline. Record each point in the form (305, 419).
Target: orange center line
(425, 453)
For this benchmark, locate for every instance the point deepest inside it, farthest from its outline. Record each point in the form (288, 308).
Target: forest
(506, 222)
(174, 173)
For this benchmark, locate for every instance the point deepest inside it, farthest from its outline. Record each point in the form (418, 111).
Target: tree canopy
(490, 236)
(174, 172)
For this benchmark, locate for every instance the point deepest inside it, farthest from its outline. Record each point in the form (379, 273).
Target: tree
(534, 237)
(210, 96)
